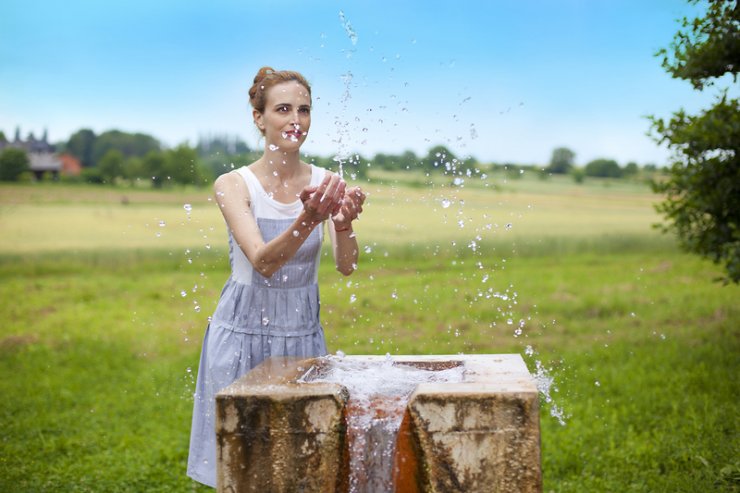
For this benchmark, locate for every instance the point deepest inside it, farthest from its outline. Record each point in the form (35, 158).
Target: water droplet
(183, 293)
(597, 383)
(265, 321)
(352, 298)
(368, 249)
(348, 28)
(445, 203)
(273, 147)
(162, 224)
(296, 233)
(187, 208)
(509, 225)
(197, 308)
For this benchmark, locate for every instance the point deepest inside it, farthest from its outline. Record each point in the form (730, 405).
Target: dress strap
(253, 184)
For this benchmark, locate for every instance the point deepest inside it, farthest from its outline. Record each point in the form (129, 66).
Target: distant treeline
(115, 156)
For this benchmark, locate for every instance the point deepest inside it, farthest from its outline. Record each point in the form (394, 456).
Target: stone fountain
(283, 428)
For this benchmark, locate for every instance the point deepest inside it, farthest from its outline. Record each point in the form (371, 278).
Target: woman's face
(287, 116)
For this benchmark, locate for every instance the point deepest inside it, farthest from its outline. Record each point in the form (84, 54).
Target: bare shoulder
(231, 184)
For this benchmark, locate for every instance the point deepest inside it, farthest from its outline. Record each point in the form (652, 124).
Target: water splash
(379, 392)
(342, 125)
(351, 34)
(546, 386)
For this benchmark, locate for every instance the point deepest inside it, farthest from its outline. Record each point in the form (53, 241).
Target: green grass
(99, 347)
(47, 217)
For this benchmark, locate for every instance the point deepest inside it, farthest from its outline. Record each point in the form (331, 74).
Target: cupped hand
(350, 208)
(321, 202)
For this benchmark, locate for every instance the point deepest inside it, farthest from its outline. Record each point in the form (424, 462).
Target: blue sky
(499, 80)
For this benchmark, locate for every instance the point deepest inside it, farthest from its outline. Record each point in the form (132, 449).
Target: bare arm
(232, 196)
(344, 241)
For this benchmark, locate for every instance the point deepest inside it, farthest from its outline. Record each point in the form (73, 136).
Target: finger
(328, 190)
(341, 190)
(356, 194)
(323, 185)
(306, 193)
(335, 194)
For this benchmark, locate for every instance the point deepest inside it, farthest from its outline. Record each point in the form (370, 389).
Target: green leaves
(13, 162)
(706, 47)
(702, 191)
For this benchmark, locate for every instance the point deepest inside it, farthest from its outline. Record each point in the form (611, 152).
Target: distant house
(41, 154)
(71, 166)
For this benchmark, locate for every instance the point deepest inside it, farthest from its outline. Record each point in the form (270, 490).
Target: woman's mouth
(293, 135)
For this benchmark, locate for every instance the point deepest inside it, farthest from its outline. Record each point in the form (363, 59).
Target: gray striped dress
(256, 317)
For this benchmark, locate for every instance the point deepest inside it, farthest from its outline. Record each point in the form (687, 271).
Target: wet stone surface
(287, 426)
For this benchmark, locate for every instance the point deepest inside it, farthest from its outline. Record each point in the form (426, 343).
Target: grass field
(106, 292)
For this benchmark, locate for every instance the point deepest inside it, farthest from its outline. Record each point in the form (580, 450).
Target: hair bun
(262, 73)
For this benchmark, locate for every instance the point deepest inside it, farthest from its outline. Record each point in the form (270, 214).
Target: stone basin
(279, 431)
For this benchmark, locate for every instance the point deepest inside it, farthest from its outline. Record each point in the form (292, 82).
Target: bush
(13, 163)
(603, 168)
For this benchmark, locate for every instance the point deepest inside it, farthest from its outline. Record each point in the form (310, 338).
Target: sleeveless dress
(256, 317)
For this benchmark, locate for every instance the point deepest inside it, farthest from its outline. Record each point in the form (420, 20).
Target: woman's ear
(257, 116)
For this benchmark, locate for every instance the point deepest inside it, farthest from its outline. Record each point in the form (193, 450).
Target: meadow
(106, 293)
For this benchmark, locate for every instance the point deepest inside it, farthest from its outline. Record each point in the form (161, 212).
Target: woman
(274, 210)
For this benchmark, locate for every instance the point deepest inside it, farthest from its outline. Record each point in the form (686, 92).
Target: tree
(408, 160)
(221, 144)
(129, 145)
(384, 161)
(440, 158)
(13, 163)
(80, 145)
(631, 169)
(603, 168)
(111, 166)
(702, 189)
(133, 169)
(561, 161)
(154, 167)
(182, 166)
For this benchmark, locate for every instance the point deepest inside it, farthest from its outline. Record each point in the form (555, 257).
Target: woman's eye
(282, 109)
(305, 111)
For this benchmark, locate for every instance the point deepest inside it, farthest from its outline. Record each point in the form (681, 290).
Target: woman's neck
(282, 164)
(282, 174)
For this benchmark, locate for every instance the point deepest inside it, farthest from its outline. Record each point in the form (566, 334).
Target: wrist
(342, 229)
(308, 221)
